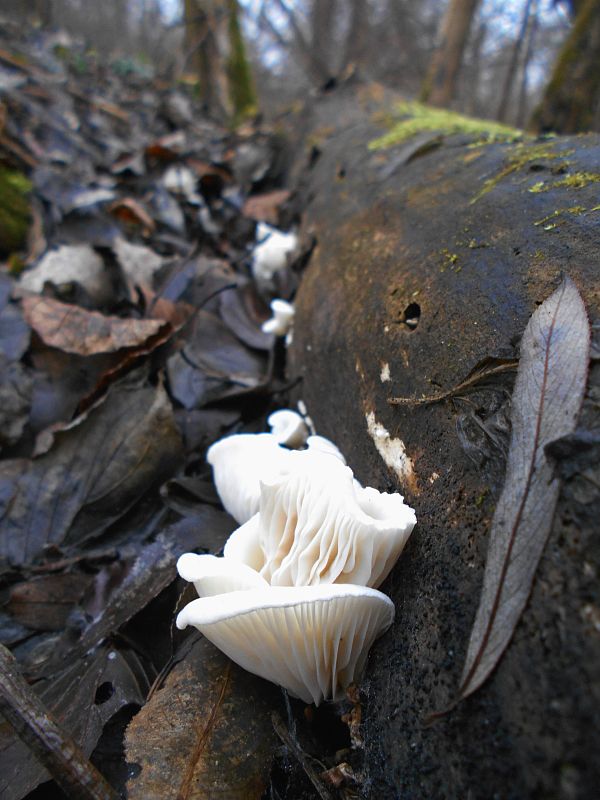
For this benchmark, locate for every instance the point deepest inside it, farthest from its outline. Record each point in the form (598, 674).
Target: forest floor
(130, 340)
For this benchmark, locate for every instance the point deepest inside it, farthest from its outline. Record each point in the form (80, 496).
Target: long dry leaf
(76, 330)
(548, 393)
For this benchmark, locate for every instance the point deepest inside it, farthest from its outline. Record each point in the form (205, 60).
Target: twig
(507, 365)
(61, 756)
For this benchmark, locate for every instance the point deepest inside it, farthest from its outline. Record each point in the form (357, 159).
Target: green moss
(480, 499)
(241, 85)
(523, 154)
(575, 180)
(417, 118)
(449, 261)
(14, 210)
(574, 210)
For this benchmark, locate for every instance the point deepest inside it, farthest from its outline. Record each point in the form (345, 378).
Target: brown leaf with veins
(75, 330)
(206, 733)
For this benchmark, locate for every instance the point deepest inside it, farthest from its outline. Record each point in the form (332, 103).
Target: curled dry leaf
(76, 330)
(83, 698)
(92, 475)
(207, 733)
(548, 393)
(133, 213)
(122, 589)
(265, 207)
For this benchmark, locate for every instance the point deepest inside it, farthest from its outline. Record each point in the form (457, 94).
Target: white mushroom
(317, 525)
(312, 640)
(282, 320)
(322, 445)
(239, 463)
(288, 427)
(242, 461)
(271, 254)
(211, 575)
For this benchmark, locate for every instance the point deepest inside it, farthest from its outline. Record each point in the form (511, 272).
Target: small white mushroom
(288, 428)
(312, 640)
(282, 320)
(211, 575)
(317, 525)
(271, 254)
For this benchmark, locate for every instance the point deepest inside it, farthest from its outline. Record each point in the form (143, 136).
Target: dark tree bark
(572, 97)
(440, 84)
(453, 241)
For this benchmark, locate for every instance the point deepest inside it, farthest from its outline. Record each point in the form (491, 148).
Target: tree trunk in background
(473, 79)
(356, 39)
(322, 20)
(573, 94)
(514, 62)
(529, 50)
(42, 10)
(440, 84)
(215, 51)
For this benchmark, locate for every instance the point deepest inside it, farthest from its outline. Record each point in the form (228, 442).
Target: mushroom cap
(239, 463)
(288, 427)
(271, 252)
(317, 525)
(211, 575)
(322, 445)
(312, 640)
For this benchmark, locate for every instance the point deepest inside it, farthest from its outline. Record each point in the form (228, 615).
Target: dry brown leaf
(206, 734)
(265, 207)
(132, 212)
(76, 330)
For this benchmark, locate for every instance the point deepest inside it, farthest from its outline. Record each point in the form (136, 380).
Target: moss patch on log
(574, 180)
(522, 155)
(14, 210)
(411, 118)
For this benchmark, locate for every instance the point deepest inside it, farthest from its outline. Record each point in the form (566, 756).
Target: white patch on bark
(393, 451)
(385, 373)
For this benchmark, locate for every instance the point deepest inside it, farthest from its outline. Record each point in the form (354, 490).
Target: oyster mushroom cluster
(294, 598)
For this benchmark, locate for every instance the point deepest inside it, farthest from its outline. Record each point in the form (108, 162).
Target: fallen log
(432, 252)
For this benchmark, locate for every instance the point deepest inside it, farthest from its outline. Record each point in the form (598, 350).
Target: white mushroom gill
(312, 640)
(317, 525)
(242, 461)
